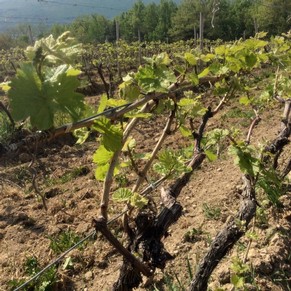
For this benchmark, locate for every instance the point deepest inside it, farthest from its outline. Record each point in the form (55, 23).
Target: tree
(151, 20)
(137, 18)
(186, 17)
(240, 18)
(273, 16)
(166, 10)
(93, 28)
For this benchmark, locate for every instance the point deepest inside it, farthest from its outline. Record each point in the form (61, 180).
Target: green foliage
(156, 76)
(127, 196)
(170, 164)
(239, 112)
(241, 274)
(63, 49)
(250, 162)
(40, 100)
(193, 235)
(244, 157)
(111, 134)
(6, 128)
(45, 282)
(110, 142)
(129, 89)
(211, 212)
(270, 181)
(63, 241)
(212, 142)
(102, 158)
(45, 86)
(189, 106)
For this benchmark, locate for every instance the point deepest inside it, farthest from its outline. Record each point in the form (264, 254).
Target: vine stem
(101, 225)
(110, 173)
(245, 258)
(155, 151)
(254, 123)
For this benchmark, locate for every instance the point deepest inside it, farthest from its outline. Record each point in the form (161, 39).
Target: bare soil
(65, 176)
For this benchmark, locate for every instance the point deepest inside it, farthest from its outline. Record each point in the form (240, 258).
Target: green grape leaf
(156, 76)
(41, 100)
(112, 134)
(244, 159)
(207, 58)
(122, 195)
(233, 63)
(138, 201)
(261, 34)
(102, 156)
(179, 69)
(210, 155)
(81, 134)
(215, 136)
(129, 144)
(244, 100)
(271, 183)
(130, 91)
(193, 78)
(170, 163)
(116, 102)
(215, 67)
(27, 98)
(102, 103)
(220, 50)
(237, 281)
(190, 58)
(204, 73)
(186, 132)
(101, 171)
(192, 106)
(62, 91)
(251, 60)
(63, 49)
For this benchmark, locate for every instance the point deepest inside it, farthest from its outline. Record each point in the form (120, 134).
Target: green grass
(238, 113)
(63, 241)
(6, 128)
(45, 282)
(211, 212)
(67, 176)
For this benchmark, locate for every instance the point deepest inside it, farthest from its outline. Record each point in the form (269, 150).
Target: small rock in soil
(83, 227)
(88, 276)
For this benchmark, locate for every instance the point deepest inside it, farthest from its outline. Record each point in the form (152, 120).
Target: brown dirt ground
(73, 200)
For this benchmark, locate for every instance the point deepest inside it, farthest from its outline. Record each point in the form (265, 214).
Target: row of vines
(184, 87)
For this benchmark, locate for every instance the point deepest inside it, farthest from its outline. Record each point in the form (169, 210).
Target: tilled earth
(63, 172)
